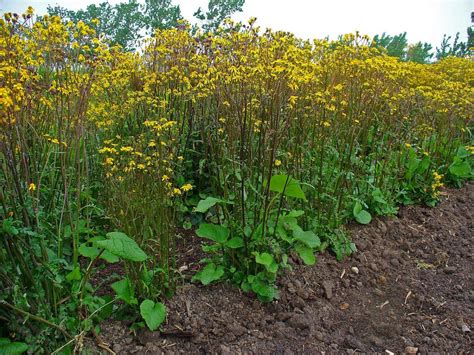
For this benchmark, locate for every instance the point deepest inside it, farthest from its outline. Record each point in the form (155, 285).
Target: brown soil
(410, 285)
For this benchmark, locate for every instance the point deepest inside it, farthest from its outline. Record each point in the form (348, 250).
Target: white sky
(423, 20)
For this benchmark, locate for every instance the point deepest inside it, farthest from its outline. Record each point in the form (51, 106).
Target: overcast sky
(423, 20)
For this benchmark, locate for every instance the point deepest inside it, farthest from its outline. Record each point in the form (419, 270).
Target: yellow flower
(177, 191)
(165, 178)
(32, 187)
(187, 187)
(277, 162)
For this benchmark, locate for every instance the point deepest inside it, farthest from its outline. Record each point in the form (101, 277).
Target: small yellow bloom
(176, 191)
(165, 178)
(187, 187)
(277, 162)
(32, 187)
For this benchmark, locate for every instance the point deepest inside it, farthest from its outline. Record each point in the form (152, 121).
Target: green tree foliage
(419, 52)
(396, 46)
(160, 14)
(217, 11)
(456, 49)
(125, 22)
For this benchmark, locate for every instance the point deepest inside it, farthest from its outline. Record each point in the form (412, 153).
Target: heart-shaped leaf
(363, 217)
(9, 348)
(124, 291)
(460, 168)
(214, 232)
(204, 205)
(209, 273)
(264, 259)
(306, 254)
(153, 313)
(287, 185)
(235, 243)
(123, 246)
(308, 238)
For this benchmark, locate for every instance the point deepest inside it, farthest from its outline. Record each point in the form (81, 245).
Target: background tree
(396, 46)
(160, 14)
(419, 52)
(217, 11)
(457, 48)
(120, 23)
(124, 23)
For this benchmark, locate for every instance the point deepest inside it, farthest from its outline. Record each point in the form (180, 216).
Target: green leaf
(357, 209)
(93, 251)
(209, 274)
(308, 238)
(292, 189)
(153, 313)
(378, 196)
(264, 259)
(122, 246)
(124, 291)
(265, 291)
(460, 168)
(363, 217)
(272, 268)
(88, 252)
(295, 213)
(214, 232)
(74, 274)
(462, 152)
(424, 164)
(306, 254)
(235, 243)
(9, 348)
(204, 205)
(8, 227)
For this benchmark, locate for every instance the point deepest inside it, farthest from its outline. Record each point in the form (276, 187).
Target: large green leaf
(9, 348)
(93, 251)
(308, 238)
(235, 243)
(209, 273)
(460, 168)
(153, 313)
(264, 259)
(265, 292)
(214, 232)
(287, 185)
(124, 247)
(124, 291)
(204, 205)
(306, 254)
(362, 216)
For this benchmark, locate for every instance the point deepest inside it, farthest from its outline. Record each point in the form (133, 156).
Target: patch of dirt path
(410, 287)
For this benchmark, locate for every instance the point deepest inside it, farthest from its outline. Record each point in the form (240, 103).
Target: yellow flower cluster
(437, 184)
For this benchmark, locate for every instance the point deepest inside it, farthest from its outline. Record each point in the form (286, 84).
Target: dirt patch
(410, 285)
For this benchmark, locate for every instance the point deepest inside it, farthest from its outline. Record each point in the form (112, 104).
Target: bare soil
(409, 288)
